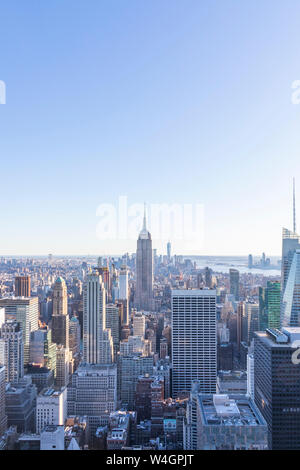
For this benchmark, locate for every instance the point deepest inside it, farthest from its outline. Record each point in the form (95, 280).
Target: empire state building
(144, 271)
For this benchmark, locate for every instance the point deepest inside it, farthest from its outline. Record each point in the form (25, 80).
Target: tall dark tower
(144, 270)
(60, 317)
(290, 243)
(22, 286)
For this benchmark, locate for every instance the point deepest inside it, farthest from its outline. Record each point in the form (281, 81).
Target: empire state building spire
(144, 234)
(144, 220)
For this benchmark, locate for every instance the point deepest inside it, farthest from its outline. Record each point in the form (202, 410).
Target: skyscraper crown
(144, 234)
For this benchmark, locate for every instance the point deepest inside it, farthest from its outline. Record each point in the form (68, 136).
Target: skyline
(163, 102)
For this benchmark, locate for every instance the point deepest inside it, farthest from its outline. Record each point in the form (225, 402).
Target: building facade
(277, 385)
(194, 340)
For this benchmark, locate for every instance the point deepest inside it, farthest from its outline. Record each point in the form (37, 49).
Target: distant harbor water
(222, 264)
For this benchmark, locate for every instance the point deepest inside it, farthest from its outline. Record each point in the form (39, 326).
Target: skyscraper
(290, 306)
(123, 296)
(208, 277)
(169, 250)
(139, 324)
(3, 417)
(12, 350)
(194, 340)
(277, 386)
(252, 316)
(24, 310)
(62, 366)
(234, 276)
(60, 297)
(250, 261)
(144, 270)
(74, 336)
(123, 283)
(290, 243)
(60, 317)
(22, 286)
(97, 341)
(269, 305)
(42, 349)
(113, 323)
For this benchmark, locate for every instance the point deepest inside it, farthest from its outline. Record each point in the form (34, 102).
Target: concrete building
(97, 341)
(12, 350)
(20, 403)
(52, 438)
(3, 417)
(277, 385)
(51, 408)
(118, 435)
(24, 310)
(194, 340)
(92, 392)
(129, 370)
(113, 324)
(74, 336)
(123, 283)
(41, 377)
(62, 366)
(42, 350)
(229, 422)
(139, 324)
(250, 375)
(232, 382)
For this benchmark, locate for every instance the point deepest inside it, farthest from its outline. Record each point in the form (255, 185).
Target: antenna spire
(294, 207)
(144, 220)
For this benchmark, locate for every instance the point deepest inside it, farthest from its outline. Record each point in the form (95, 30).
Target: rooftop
(283, 338)
(229, 410)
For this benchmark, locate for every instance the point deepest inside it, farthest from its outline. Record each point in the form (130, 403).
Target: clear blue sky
(182, 101)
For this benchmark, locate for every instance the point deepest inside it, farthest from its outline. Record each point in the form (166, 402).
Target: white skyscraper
(194, 340)
(97, 341)
(3, 417)
(250, 375)
(123, 295)
(51, 408)
(24, 310)
(123, 283)
(12, 350)
(139, 324)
